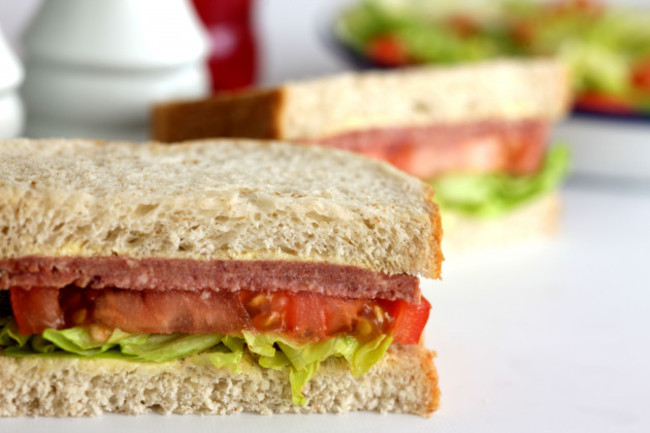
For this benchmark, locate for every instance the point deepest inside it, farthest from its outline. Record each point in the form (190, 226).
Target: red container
(233, 57)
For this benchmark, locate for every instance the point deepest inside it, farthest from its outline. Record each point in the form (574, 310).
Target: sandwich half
(477, 132)
(212, 277)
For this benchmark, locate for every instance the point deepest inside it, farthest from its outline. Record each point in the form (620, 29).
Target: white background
(551, 337)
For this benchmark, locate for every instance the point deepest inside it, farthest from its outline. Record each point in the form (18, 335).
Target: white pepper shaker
(11, 107)
(95, 68)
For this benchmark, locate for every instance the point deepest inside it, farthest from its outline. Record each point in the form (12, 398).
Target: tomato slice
(603, 103)
(299, 316)
(463, 25)
(640, 76)
(388, 50)
(523, 32)
(44, 302)
(410, 320)
(583, 7)
(152, 312)
(516, 147)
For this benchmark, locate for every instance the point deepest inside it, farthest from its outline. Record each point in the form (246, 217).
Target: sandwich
(478, 133)
(212, 277)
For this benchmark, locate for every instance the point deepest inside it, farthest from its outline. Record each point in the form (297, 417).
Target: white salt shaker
(11, 107)
(95, 68)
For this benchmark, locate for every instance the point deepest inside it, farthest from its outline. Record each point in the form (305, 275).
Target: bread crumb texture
(405, 380)
(536, 220)
(501, 89)
(213, 199)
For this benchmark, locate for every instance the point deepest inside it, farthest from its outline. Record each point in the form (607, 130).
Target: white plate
(608, 147)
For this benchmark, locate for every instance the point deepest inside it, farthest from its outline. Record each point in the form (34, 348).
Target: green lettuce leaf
(305, 359)
(9, 334)
(302, 356)
(161, 348)
(235, 344)
(367, 354)
(222, 357)
(271, 351)
(261, 344)
(277, 362)
(81, 342)
(493, 194)
(298, 378)
(41, 345)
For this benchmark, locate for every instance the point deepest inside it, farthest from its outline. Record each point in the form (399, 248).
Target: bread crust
(435, 239)
(324, 107)
(254, 114)
(538, 219)
(405, 380)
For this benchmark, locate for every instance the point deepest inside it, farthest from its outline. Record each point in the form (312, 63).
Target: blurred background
(278, 23)
(279, 40)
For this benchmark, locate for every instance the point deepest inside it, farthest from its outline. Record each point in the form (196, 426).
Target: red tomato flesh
(299, 316)
(387, 50)
(410, 319)
(583, 7)
(516, 147)
(464, 25)
(603, 103)
(523, 32)
(641, 76)
(43, 302)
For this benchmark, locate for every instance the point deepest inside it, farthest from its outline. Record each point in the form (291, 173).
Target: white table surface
(551, 337)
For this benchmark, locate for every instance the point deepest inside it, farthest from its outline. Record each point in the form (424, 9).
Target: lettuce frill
(222, 351)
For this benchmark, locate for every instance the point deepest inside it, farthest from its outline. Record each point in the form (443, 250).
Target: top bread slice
(216, 199)
(324, 107)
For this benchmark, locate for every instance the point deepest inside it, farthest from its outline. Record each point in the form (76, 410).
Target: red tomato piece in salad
(388, 50)
(640, 76)
(603, 103)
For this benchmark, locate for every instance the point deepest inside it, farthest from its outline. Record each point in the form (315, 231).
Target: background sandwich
(211, 277)
(477, 132)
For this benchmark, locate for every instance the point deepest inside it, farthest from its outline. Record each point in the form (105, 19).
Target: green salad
(606, 48)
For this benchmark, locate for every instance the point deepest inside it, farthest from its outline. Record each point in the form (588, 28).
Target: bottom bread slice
(405, 380)
(537, 219)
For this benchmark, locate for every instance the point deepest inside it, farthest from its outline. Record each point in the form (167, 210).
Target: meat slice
(162, 274)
